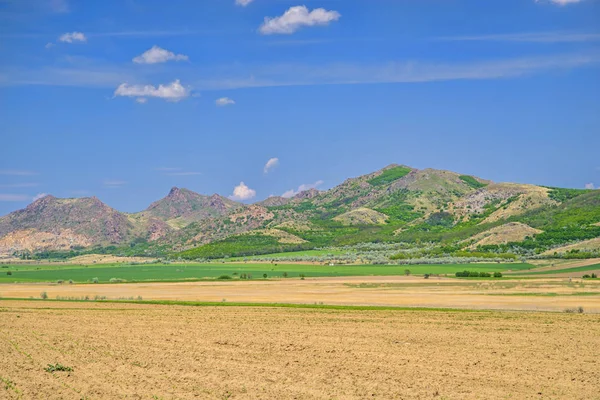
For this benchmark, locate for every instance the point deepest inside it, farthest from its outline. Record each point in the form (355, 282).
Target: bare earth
(544, 294)
(138, 351)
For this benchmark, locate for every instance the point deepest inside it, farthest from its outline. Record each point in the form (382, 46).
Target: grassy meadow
(182, 272)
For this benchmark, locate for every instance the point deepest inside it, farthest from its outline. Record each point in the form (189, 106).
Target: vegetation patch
(390, 175)
(472, 182)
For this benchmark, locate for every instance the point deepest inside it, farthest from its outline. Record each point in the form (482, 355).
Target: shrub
(8, 273)
(497, 275)
(224, 277)
(285, 274)
(426, 276)
(473, 274)
(44, 295)
(484, 274)
(95, 280)
(407, 272)
(57, 367)
(302, 276)
(265, 276)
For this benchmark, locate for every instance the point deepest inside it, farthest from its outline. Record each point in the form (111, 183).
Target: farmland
(286, 353)
(182, 272)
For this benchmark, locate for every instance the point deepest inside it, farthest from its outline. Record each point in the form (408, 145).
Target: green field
(182, 272)
(594, 267)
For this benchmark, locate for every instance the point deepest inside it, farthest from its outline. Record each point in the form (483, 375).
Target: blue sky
(125, 99)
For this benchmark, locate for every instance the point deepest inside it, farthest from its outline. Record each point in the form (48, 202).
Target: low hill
(362, 216)
(428, 208)
(182, 206)
(52, 223)
(510, 232)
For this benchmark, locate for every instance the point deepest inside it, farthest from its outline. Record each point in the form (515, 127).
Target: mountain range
(395, 204)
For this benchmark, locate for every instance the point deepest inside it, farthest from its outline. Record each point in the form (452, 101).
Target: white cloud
(590, 186)
(72, 37)
(224, 101)
(559, 2)
(141, 100)
(157, 55)
(272, 163)
(295, 18)
(14, 197)
(39, 196)
(113, 184)
(174, 91)
(302, 188)
(242, 192)
(243, 3)
(59, 6)
(49, 45)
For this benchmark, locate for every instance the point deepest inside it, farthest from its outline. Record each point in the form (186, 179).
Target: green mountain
(429, 213)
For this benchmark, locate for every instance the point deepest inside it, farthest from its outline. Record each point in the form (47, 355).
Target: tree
(265, 276)
(407, 272)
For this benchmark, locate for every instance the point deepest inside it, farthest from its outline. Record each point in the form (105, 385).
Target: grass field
(182, 272)
(586, 268)
(174, 352)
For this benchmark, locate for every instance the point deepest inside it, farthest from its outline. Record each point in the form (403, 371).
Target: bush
(57, 367)
(484, 274)
(407, 272)
(8, 273)
(265, 276)
(426, 276)
(95, 280)
(44, 295)
(285, 274)
(497, 275)
(224, 277)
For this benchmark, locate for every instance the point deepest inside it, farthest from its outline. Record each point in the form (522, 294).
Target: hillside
(182, 207)
(439, 212)
(52, 224)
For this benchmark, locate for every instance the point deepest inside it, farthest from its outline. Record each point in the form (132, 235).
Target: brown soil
(530, 294)
(169, 352)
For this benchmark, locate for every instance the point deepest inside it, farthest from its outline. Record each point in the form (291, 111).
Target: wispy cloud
(224, 101)
(242, 192)
(17, 172)
(243, 3)
(305, 186)
(297, 17)
(590, 186)
(59, 6)
(237, 76)
(272, 163)
(173, 91)
(559, 2)
(182, 173)
(175, 171)
(534, 37)
(19, 185)
(113, 183)
(39, 196)
(14, 197)
(157, 55)
(72, 37)
(397, 72)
